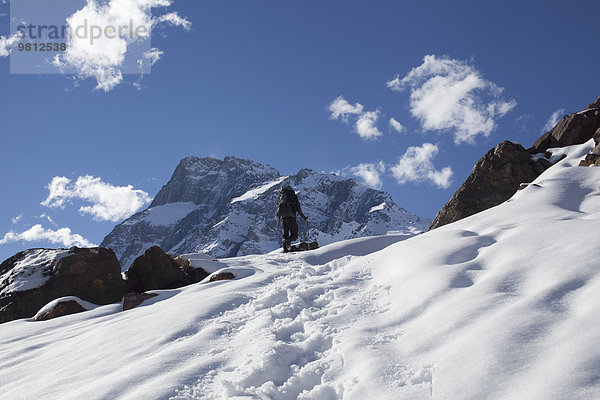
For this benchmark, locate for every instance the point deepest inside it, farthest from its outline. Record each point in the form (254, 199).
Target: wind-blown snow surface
(501, 305)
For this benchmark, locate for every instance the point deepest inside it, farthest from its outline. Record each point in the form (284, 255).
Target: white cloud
(340, 108)
(416, 166)
(48, 218)
(16, 219)
(451, 95)
(148, 59)
(365, 125)
(37, 233)
(397, 126)
(369, 173)
(153, 55)
(103, 57)
(8, 43)
(109, 203)
(174, 19)
(553, 120)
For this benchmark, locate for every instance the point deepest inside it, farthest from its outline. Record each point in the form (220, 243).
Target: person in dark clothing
(287, 207)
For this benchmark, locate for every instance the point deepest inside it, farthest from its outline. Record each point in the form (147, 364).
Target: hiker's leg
(285, 229)
(285, 235)
(293, 226)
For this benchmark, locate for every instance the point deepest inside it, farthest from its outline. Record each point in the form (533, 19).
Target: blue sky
(256, 79)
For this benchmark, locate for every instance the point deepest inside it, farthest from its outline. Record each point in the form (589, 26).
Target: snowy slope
(501, 305)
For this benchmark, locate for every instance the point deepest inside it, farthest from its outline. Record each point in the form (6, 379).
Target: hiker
(287, 207)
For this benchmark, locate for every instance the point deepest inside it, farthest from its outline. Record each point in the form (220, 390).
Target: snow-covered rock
(63, 306)
(28, 270)
(227, 207)
(32, 278)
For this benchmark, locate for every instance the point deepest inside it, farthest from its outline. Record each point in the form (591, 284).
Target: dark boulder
(191, 274)
(33, 278)
(590, 160)
(576, 128)
(596, 137)
(59, 309)
(493, 180)
(93, 275)
(593, 158)
(132, 300)
(156, 270)
(221, 276)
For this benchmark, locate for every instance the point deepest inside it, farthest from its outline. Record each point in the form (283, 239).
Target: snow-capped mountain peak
(227, 208)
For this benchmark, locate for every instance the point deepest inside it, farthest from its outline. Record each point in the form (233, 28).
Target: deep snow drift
(501, 305)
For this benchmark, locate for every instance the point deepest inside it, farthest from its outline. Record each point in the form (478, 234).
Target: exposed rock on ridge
(494, 179)
(498, 174)
(576, 128)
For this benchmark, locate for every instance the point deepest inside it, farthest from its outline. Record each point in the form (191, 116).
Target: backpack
(287, 202)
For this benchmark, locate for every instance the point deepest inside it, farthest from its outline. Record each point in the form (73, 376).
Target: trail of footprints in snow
(302, 350)
(297, 344)
(290, 334)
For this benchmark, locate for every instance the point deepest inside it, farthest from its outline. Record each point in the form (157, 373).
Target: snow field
(501, 305)
(266, 334)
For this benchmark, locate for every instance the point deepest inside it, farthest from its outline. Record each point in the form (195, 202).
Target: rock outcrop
(493, 180)
(595, 104)
(226, 208)
(33, 278)
(156, 270)
(221, 276)
(576, 128)
(593, 158)
(132, 300)
(66, 306)
(499, 174)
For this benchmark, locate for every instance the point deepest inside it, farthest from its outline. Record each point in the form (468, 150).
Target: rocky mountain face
(498, 174)
(494, 179)
(227, 208)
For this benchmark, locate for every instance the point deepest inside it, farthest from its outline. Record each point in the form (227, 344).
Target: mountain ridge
(227, 207)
